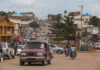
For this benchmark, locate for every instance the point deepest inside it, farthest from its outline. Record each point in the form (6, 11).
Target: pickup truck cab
(36, 51)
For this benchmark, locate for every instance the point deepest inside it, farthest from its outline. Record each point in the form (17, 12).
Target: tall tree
(95, 21)
(69, 28)
(2, 13)
(64, 30)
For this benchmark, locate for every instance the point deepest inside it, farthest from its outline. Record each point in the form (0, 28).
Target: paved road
(84, 61)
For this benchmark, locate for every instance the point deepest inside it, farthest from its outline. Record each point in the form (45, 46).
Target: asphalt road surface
(84, 61)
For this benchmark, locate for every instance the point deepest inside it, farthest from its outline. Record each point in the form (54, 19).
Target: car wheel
(44, 62)
(29, 63)
(59, 52)
(9, 55)
(49, 61)
(21, 63)
(50, 58)
(13, 56)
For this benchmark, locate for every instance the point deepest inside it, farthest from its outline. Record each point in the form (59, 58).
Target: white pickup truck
(8, 50)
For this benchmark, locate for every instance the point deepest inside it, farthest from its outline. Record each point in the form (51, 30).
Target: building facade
(7, 30)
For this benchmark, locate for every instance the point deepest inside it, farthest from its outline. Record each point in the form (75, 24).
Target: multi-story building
(21, 21)
(43, 30)
(7, 29)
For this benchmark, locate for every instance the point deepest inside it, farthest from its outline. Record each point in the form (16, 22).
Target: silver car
(57, 49)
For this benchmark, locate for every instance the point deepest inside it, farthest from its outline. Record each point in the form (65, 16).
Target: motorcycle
(73, 55)
(66, 52)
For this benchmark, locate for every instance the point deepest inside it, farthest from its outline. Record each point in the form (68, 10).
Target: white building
(44, 30)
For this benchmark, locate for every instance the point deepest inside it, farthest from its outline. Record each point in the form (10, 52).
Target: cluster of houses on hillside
(16, 25)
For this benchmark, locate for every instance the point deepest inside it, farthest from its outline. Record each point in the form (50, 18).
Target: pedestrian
(0, 48)
(15, 46)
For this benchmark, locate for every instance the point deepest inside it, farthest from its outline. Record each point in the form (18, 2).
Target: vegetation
(2, 13)
(64, 30)
(34, 25)
(95, 21)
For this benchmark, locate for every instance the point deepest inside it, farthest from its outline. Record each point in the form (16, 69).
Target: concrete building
(21, 20)
(7, 29)
(44, 30)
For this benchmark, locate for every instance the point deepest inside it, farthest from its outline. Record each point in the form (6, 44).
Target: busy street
(84, 61)
(49, 35)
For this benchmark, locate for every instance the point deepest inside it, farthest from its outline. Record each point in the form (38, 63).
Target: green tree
(64, 30)
(95, 21)
(69, 28)
(2, 13)
(57, 31)
(34, 25)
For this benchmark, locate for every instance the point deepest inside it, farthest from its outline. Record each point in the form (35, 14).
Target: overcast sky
(43, 7)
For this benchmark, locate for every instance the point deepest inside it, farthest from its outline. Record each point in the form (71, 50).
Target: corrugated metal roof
(87, 14)
(17, 15)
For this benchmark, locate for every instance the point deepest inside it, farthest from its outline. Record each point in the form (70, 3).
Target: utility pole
(81, 14)
(81, 6)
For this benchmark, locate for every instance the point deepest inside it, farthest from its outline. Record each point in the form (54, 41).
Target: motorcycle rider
(73, 49)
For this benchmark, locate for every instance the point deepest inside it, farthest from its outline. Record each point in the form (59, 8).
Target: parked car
(19, 49)
(1, 54)
(8, 50)
(58, 49)
(36, 51)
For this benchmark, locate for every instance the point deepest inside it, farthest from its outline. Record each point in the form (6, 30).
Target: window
(12, 30)
(8, 30)
(35, 45)
(5, 30)
(0, 30)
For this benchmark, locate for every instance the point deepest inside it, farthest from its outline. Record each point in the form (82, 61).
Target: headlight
(39, 54)
(23, 54)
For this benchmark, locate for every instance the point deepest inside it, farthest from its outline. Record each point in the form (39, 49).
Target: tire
(66, 54)
(49, 61)
(13, 56)
(73, 58)
(44, 63)
(9, 55)
(59, 52)
(29, 63)
(50, 58)
(22, 63)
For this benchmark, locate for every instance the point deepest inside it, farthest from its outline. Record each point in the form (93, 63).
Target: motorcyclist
(73, 49)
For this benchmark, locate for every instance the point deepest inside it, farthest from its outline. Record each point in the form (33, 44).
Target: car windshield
(21, 47)
(34, 45)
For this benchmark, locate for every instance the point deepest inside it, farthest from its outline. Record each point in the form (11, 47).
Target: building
(7, 29)
(21, 21)
(43, 30)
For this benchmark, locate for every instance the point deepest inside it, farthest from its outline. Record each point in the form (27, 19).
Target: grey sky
(43, 7)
